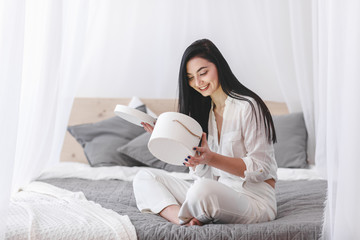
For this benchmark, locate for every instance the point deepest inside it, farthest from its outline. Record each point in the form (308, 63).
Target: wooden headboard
(89, 110)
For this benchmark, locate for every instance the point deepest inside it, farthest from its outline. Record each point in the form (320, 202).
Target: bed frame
(90, 110)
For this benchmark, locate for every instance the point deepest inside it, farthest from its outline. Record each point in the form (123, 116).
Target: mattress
(300, 211)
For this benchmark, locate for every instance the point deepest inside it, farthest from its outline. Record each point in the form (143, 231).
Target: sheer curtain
(43, 46)
(142, 42)
(338, 84)
(323, 81)
(53, 55)
(11, 52)
(287, 29)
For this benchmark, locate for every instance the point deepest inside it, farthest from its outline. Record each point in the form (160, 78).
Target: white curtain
(11, 52)
(137, 46)
(54, 47)
(323, 81)
(338, 85)
(42, 58)
(287, 29)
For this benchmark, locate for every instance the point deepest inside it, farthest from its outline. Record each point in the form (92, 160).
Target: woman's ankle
(171, 213)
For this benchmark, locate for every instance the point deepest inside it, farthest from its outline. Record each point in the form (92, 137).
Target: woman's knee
(142, 177)
(200, 190)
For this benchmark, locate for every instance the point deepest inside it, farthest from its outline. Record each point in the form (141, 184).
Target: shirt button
(261, 170)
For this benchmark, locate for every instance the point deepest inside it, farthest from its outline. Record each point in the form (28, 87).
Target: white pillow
(136, 102)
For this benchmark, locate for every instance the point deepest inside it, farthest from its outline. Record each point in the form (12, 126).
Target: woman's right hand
(148, 127)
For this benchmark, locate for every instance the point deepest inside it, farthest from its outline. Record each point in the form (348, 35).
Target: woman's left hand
(203, 154)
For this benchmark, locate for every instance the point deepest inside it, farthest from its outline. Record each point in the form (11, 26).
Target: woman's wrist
(210, 158)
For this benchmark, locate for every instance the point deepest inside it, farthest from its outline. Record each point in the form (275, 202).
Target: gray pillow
(138, 149)
(100, 140)
(291, 146)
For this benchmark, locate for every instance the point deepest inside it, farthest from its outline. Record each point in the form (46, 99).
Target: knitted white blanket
(43, 211)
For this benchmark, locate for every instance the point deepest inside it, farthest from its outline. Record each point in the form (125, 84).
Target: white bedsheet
(84, 171)
(42, 211)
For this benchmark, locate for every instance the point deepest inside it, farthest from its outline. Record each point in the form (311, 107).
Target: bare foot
(193, 222)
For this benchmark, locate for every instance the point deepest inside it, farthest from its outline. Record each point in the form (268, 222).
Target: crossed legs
(181, 202)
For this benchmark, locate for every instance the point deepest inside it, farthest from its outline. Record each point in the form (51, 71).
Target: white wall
(135, 48)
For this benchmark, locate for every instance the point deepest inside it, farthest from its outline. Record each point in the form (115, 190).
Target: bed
(108, 182)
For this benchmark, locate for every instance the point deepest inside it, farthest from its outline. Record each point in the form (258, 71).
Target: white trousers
(207, 200)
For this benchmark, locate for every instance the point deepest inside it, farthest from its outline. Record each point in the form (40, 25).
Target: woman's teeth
(205, 87)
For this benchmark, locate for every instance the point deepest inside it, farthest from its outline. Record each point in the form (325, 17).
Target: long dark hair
(197, 106)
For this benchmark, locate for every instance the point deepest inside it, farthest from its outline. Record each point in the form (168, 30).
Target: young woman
(235, 168)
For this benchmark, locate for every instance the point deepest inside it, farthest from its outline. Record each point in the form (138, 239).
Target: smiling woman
(236, 148)
(203, 76)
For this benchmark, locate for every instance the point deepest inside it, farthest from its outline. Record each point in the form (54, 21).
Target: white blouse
(241, 138)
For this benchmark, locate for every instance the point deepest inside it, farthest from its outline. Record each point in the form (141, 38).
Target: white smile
(204, 88)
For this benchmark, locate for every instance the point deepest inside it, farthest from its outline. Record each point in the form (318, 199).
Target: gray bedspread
(300, 211)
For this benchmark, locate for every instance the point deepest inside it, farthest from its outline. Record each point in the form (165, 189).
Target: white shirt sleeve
(201, 171)
(260, 158)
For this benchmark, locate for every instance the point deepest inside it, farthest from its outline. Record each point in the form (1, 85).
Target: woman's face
(202, 76)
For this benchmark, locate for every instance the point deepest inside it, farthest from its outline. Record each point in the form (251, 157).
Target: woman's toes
(194, 221)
